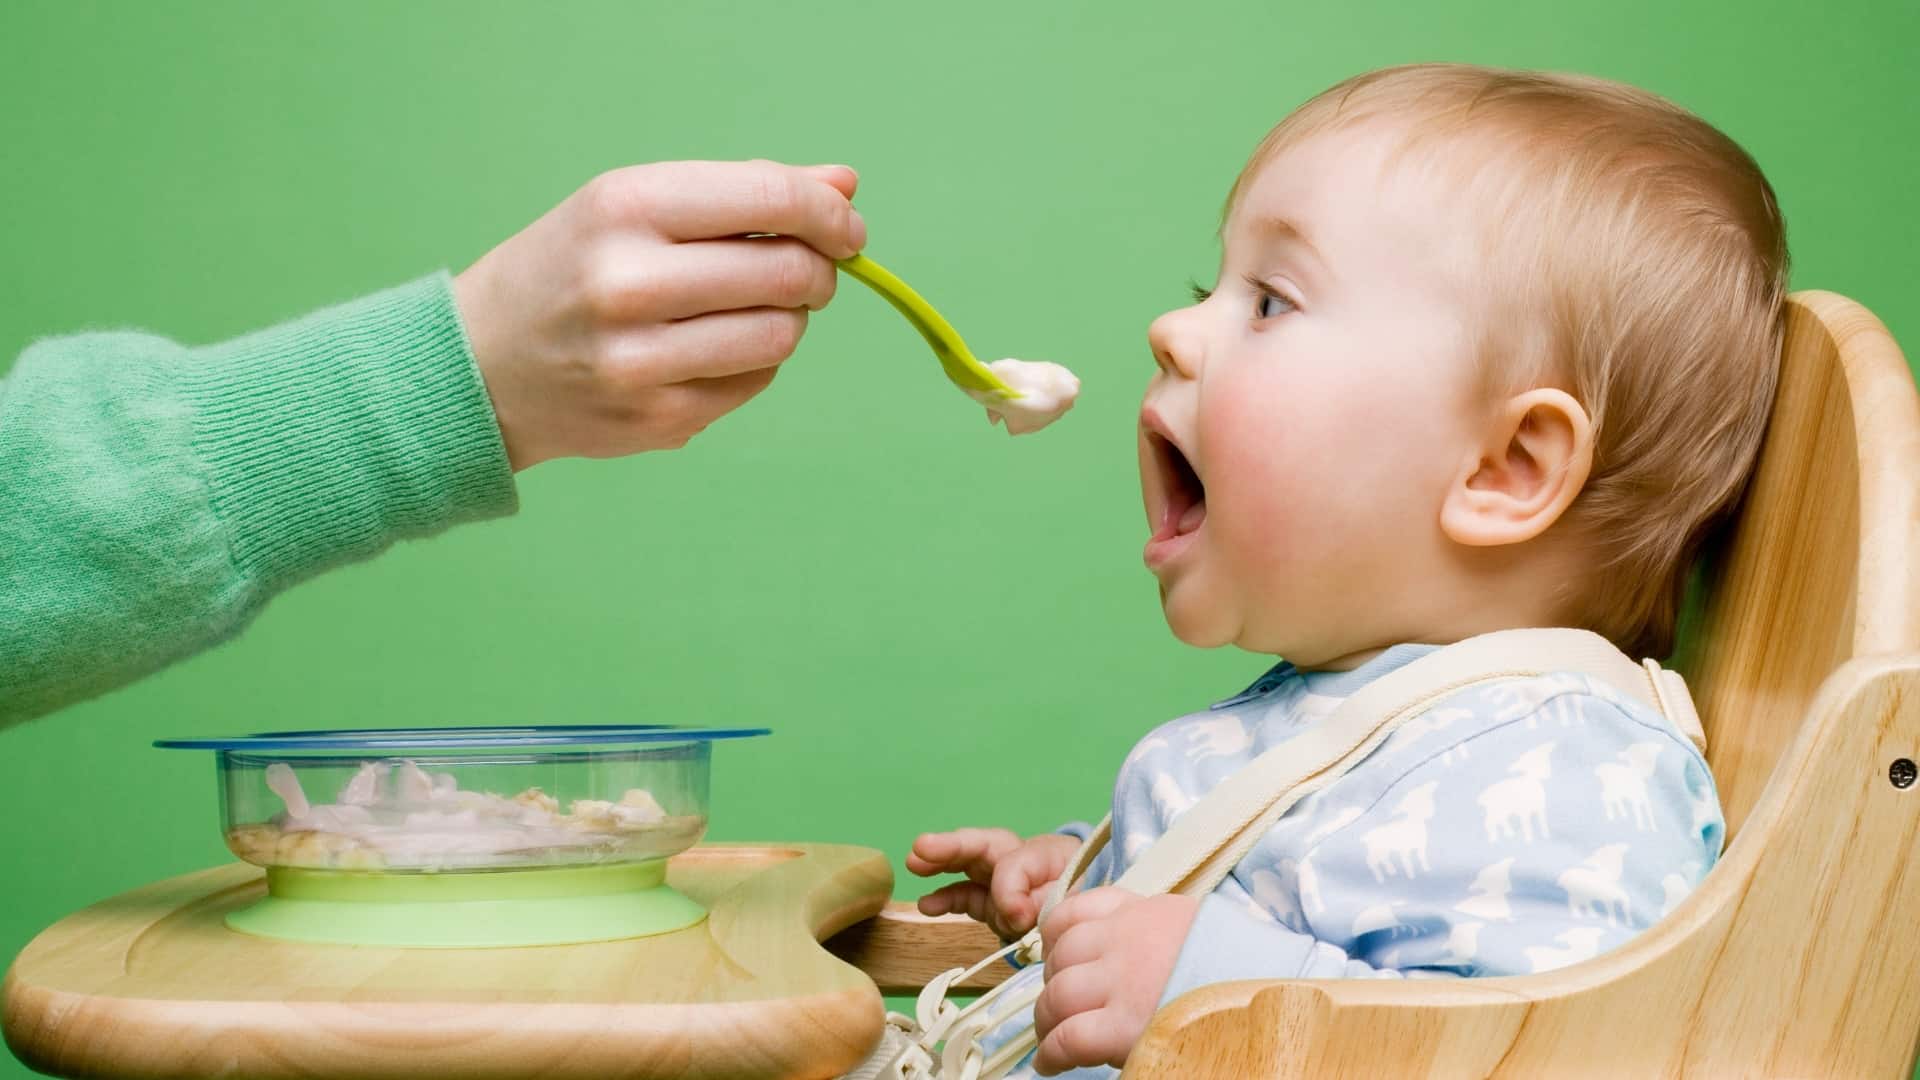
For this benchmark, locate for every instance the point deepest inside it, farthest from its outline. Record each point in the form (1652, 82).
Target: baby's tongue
(1191, 520)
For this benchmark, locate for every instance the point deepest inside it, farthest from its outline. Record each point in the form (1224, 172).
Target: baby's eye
(1267, 295)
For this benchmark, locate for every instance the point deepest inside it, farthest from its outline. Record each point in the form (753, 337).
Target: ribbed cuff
(328, 438)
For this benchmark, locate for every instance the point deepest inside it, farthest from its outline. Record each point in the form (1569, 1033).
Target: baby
(1489, 349)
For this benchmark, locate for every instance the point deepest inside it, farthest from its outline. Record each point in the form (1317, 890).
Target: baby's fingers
(1088, 1038)
(963, 897)
(1019, 884)
(972, 852)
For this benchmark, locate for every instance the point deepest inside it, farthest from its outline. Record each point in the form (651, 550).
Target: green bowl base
(482, 909)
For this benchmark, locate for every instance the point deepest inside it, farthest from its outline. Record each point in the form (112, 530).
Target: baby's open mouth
(1186, 496)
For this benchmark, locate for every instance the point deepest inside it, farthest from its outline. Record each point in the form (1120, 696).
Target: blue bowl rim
(461, 737)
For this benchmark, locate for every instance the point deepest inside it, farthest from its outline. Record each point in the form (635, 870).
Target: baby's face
(1308, 415)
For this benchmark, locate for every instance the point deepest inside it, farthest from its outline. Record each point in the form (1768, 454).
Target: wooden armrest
(901, 949)
(1331, 1028)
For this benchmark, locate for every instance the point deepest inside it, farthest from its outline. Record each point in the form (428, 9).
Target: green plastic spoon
(966, 372)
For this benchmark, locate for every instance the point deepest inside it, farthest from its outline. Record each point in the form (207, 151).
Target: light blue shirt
(1518, 826)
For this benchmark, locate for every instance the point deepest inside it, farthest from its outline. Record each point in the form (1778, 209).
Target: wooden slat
(901, 949)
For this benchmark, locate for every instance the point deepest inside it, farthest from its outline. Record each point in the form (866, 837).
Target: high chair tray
(153, 984)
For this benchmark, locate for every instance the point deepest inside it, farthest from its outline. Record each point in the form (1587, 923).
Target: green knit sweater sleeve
(153, 496)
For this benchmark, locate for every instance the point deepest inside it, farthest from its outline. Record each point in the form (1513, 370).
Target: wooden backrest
(1823, 562)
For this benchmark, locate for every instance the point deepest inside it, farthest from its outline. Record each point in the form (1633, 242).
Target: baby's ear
(1534, 460)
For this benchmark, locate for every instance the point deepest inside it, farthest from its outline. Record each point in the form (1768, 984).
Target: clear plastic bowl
(410, 801)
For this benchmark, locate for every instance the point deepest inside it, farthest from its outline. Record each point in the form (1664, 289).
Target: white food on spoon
(1046, 393)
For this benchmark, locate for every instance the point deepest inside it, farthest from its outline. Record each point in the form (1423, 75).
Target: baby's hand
(1108, 955)
(1007, 877)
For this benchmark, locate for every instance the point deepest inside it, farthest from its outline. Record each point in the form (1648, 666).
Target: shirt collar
(1345, 683)
(1330, 683)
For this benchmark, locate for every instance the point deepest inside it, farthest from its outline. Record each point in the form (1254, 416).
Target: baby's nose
(1176, 343)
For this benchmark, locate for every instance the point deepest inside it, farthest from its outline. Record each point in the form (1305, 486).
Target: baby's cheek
(1296, 525)
(1262, 520)
(1270, 464)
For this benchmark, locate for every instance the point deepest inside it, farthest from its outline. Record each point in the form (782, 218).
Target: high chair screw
(1902, 772)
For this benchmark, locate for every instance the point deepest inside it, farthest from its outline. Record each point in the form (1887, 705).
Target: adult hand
(645, 306)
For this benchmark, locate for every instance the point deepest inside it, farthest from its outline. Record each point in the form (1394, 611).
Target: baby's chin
(1193, 619)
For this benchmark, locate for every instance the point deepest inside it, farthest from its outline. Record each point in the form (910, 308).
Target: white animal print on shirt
(1267, 888)
(1269, 893)
(1152, 744)
(1676, 887)
(1429, 722)
(1522, 798)
(1623, 786)
(1463, 944)
(1706, 809)
(1593, 887)
(1582, 943)
(1333, 825)
(1310, 707)
(1169, 798)
(1516, 698)
(1309, 884)
(1217, 736)
(1490, 888)
(1404, 838)
(1566, 711)
(1380, 917)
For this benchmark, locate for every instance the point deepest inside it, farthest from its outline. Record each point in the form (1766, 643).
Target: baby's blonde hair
(1636, 258)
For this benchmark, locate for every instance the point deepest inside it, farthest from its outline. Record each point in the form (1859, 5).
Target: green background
(943, 626)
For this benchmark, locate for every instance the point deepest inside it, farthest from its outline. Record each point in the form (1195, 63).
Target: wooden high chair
(1798, 956)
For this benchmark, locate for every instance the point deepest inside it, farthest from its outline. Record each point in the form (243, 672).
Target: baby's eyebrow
(1285, 231)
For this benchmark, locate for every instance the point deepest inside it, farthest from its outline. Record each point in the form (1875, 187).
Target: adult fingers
(636, 415)
(645, 282)
(716, 346)
(842, 178)
(703, 200)
(699, 402)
